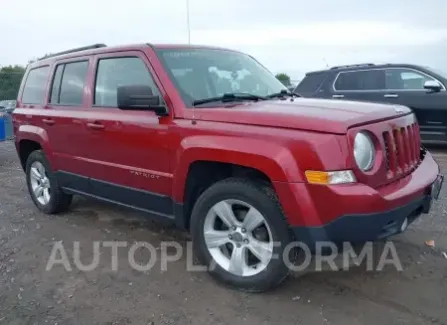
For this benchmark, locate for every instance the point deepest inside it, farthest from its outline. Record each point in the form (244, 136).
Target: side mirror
(432, 85)
(139, 97)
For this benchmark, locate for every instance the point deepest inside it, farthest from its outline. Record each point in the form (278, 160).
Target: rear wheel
(43, 186)
(235, 225)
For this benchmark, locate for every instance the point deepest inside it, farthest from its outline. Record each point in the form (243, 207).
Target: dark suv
(420, 88)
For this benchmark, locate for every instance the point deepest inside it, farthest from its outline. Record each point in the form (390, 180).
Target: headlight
(364, 151)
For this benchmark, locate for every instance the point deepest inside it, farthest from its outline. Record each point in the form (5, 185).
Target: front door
(128, 149)
(406, 87)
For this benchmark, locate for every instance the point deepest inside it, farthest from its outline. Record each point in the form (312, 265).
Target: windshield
(206, 73)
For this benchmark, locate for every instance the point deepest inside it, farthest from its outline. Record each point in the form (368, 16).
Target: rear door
(405, 86)
(361, 85)
(68, 135)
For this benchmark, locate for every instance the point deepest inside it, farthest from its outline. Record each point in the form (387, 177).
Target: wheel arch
(199, 166)
(30, 138)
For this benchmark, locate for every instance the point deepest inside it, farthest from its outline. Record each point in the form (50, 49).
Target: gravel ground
(31, 295)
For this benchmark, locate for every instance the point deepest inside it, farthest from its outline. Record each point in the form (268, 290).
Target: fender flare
(270, 158)
(36, 134)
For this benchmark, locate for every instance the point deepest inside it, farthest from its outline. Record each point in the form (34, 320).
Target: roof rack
(84, 48)
(361, 65)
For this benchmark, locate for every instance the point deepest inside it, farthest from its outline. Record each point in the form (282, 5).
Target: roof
(102, 48)
(361, 66)
(190, 46)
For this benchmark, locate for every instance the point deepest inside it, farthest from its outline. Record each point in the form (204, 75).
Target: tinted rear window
(68, 83)
(72, 85)
(35, 85)
(311, 83)
(55, 88)
(360, 80)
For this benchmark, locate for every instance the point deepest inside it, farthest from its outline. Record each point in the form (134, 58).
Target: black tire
(264, 199)
(59, 201)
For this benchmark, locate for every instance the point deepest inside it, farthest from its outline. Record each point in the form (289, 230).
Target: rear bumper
(357, 212)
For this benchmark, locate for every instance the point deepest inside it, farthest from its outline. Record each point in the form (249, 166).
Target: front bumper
(357, 212)
(364, 227)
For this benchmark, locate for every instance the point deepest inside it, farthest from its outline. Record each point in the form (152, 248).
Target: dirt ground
(31, 295)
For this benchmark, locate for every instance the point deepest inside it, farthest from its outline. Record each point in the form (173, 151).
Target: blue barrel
(2, 127)
(8, 126)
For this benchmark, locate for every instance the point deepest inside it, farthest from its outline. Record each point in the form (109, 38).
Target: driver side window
(405, 79)
(115, 72)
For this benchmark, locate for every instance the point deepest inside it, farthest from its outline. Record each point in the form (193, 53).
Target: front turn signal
(330, 178)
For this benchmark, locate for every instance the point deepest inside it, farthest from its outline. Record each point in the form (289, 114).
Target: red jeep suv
(209, 139)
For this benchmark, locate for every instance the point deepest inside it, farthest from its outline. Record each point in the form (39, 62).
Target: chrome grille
(402, 153)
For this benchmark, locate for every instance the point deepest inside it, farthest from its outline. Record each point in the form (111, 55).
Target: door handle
(338, 96)
(48, 121)
(95, 126)
(391, 95)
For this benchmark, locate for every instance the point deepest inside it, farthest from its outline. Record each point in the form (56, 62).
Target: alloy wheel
(40, 184)
(238, 237)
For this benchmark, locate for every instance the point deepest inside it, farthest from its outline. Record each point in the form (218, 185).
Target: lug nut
(245, 241)
(230, 237)
(244, 230)
(233, 228)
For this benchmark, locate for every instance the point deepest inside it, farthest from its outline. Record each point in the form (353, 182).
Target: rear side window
(311, 83)
(68, 83)
(55, 88)
(115, 72)
(360, 80)
(35, 84)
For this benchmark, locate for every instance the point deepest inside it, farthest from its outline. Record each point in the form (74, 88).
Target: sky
(291, 36)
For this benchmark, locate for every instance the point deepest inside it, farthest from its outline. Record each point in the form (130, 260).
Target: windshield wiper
(282, 94)
(229, 97)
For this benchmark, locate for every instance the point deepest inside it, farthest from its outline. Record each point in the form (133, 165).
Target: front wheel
(239, 232)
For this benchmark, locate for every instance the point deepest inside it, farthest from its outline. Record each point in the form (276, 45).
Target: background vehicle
(420, 88)
(8, 105)
(208, 139)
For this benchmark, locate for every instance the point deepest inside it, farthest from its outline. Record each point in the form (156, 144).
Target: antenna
(187, 22)
(188, 26)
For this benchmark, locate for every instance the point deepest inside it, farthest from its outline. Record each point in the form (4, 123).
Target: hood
(322, 115)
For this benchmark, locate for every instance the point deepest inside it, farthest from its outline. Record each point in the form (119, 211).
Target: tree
(284, 78)
(10, 79)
